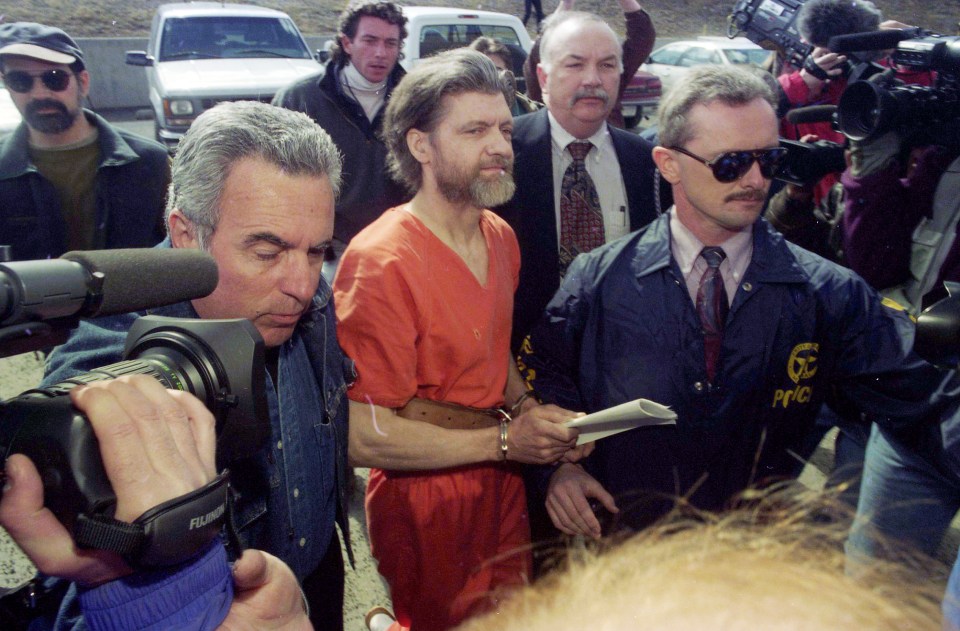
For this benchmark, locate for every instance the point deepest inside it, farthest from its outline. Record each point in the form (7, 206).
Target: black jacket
(367, 190)
(532, 212)
(131, 188)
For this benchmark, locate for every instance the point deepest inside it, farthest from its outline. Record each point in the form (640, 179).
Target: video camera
(925, 114)
(808, 162)
(772, 25)
(219, 361)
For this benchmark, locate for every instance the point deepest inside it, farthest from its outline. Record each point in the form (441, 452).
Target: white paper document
(620, 418)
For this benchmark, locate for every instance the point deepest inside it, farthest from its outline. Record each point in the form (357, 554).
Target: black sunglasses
(22, 82)
(733, 165)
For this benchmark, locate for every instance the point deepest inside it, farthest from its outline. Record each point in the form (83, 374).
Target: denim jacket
(290, 494)
(307, 453)
(132, 180)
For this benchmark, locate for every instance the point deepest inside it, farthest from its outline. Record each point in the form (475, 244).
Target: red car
(641, 97)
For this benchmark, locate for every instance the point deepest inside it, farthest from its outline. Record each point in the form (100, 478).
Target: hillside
(673, 18)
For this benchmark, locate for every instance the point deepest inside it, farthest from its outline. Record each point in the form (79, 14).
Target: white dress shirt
(686, 251)
(604, 169)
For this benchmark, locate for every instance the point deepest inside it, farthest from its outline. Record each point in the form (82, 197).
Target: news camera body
(221, 362)
(922, 114)
(771, 24)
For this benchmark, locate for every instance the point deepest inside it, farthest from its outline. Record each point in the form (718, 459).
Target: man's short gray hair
(555, 20)
(418, 103)
(231, 132)
(730, 85)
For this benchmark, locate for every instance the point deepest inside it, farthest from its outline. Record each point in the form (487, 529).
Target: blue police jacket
(800, 330)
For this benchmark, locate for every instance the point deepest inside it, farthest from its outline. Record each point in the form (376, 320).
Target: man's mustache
(504, 163)
(588, 93)
(39, 104)
(752, 195)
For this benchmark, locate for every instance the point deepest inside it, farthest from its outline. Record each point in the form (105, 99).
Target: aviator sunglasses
(733, 165)
(22, 82)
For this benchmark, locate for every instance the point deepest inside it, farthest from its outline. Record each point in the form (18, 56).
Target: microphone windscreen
(872, 40)
(812, 114)
(141, 278)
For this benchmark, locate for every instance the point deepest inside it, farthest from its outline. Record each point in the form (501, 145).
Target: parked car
(9, 114)
(640, 98)
(202, 53)
(672, 61)
(431, 30)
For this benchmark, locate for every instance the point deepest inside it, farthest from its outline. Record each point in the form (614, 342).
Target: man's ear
(345, 44)
(83, 79)
(183, 233)
(666, 161)
(418, 142)
(542, 78)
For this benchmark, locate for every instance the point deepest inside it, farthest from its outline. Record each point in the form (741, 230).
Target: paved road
(130, 121)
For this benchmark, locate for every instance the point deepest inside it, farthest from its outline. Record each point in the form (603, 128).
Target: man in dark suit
(579, 73)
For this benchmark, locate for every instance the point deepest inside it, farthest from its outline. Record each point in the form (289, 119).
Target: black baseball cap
(38, 41)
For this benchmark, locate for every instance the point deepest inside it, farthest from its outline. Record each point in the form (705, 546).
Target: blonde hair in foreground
(765, 566)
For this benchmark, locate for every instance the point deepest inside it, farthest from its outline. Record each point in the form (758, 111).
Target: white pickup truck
(201, 53)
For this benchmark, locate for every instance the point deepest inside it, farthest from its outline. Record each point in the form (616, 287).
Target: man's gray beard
(479, 192)
(487, 194)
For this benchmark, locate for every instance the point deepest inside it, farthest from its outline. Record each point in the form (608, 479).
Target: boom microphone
(872, 40)
(811, 114)
(102, 282)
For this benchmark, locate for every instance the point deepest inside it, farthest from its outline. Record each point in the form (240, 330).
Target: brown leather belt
(450, 415)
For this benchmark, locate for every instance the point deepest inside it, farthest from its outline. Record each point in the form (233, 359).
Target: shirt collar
(561, 137)
(686, 247)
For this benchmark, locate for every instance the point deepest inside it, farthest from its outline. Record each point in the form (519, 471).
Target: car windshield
(440, 37)
(668, 55)
(756, 56)
(216, 37)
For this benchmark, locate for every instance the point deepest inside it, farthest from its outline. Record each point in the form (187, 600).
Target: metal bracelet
(530, 392)
(504, 422)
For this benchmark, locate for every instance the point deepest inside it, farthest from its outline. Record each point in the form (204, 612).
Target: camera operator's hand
(830, 66)
(156, 445)
(894, 24)
(266, 596)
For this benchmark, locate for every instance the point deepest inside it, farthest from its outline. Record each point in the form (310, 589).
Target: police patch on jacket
(801, 367)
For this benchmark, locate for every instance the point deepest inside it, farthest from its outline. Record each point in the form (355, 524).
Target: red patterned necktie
(712, 306)
(581, 221)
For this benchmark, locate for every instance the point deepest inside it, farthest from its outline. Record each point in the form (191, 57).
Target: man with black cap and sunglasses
(709, 311)
(68, 179)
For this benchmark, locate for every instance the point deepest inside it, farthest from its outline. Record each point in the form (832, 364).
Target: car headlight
(179, 107)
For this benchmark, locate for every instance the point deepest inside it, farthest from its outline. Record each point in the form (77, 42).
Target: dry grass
(673, 18)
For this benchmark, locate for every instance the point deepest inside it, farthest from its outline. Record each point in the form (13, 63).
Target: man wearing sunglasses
(68, 179)
(709, 311)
